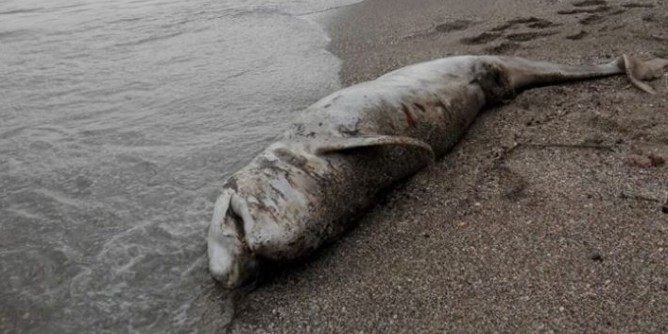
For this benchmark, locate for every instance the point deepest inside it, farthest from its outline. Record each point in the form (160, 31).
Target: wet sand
(546, 218)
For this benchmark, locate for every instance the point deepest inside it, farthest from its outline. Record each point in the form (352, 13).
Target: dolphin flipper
(338, 144)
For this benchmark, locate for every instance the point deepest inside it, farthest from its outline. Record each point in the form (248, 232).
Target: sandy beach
(546, 218)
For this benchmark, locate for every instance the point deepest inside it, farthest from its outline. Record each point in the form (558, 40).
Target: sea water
(119, 122)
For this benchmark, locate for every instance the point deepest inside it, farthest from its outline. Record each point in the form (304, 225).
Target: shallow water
(119, 121)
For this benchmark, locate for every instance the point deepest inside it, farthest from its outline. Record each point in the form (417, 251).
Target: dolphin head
(263, 214)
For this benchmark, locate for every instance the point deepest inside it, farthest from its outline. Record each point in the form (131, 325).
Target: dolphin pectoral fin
(638, 70)
(332, 145)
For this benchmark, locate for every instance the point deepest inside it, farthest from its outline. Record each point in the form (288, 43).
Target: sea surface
(119, 122)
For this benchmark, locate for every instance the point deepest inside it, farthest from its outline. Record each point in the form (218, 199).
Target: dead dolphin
(306, 189)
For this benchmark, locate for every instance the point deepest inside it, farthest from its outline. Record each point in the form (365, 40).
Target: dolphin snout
(232, 270)
(221, 262)
(230, 261)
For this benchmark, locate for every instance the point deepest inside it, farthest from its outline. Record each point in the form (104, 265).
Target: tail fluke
(638, 70)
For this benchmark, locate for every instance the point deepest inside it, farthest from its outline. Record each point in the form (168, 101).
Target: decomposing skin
(306, 189)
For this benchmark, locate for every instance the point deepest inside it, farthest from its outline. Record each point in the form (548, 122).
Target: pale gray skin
(309, 187)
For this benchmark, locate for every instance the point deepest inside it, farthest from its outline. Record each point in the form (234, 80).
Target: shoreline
(556, 236)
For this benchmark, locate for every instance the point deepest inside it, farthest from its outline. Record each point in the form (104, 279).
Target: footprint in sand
(510, 44)
(599, 9)
(446, 27)
(483, 38)
(530, 22)
(528, 36)
(577, 36)
(588, 3)
(591, 19)
(453, 26)
(638, 5)
(503, 48)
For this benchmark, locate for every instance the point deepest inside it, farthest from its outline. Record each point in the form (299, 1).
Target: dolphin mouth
(231, 262)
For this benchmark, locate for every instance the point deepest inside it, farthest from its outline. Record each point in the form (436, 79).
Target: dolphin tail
(338, 144)
(526, 74)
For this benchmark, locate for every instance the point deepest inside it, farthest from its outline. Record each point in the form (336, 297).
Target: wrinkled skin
(309, 187)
